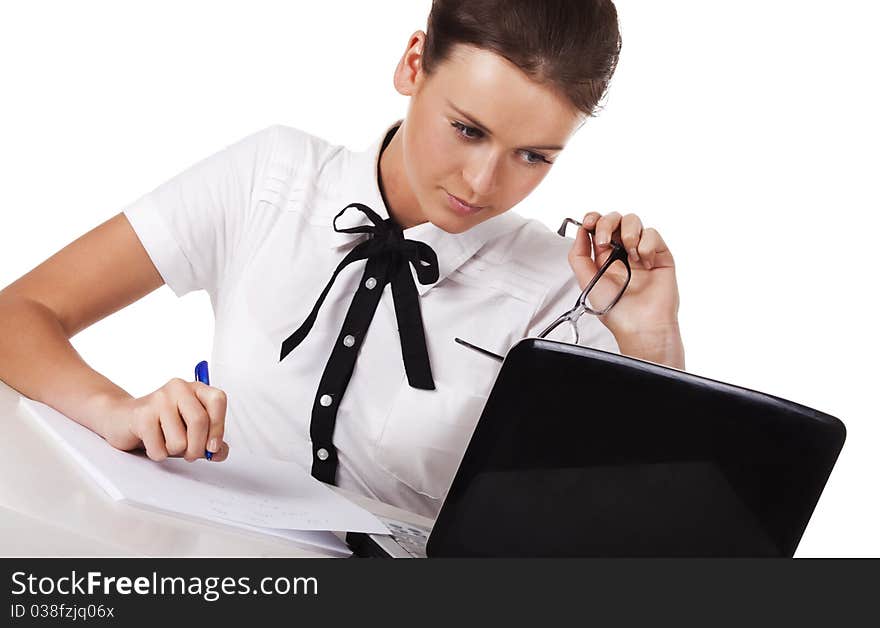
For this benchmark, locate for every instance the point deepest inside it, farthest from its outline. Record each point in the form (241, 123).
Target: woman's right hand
(179, 419)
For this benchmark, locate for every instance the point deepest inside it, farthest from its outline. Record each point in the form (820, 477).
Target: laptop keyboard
(410, 538)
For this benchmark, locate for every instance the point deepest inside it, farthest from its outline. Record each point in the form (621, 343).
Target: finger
(173, 431)
(650, 245)
(590, 219)
(580, 257)
(149, 431)
(214, 402)
(581, 246)
(662, 254)
(605, 227)
(221, 453)
(197, 425)
(630, 234)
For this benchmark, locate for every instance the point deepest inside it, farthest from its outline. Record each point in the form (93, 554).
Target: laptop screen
(580, 452)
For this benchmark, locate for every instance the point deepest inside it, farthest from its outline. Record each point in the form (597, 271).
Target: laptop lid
(580, 452)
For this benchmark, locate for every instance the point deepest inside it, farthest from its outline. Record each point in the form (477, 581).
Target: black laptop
(580, 452)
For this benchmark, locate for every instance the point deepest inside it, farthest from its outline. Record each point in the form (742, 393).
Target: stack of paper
(266, 495)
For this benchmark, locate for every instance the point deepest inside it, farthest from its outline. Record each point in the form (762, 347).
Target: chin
(450, 224)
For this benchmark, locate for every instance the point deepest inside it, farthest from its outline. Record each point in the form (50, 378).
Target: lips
(462, 207)
(463, 202)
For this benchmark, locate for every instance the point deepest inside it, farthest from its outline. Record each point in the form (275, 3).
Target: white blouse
(253, 226)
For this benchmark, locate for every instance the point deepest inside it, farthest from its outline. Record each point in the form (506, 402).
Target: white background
(745, 132)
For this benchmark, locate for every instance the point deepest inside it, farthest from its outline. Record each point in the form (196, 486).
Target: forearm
(37, 360)
(662, 345)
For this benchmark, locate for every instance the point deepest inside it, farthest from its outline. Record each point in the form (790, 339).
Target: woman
(371, 392)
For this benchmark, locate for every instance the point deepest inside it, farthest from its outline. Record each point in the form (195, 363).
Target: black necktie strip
(388, 256)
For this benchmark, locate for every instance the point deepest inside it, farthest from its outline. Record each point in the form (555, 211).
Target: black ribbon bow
(386, 239)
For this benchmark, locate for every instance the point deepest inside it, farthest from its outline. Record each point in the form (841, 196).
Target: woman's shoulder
(295, 147)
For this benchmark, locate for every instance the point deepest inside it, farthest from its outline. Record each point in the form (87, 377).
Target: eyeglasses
(598, 297)
(602, 292)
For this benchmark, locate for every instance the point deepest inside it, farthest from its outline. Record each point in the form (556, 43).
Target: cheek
(521, 187)
(513, 187)
(523, 181)
(436, 155)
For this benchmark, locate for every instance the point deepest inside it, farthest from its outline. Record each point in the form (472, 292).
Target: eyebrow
(485, 129)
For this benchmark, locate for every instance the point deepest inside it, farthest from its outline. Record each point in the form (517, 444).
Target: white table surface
(50, 507)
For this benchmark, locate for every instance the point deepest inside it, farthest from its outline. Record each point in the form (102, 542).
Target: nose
(481, 173)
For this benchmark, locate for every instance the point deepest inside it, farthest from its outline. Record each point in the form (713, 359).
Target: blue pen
(202, 376)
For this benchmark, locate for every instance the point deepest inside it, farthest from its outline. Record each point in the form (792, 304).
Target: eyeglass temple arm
(572, 221)
(485, 352)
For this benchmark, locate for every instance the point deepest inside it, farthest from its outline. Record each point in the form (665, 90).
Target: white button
(326, 400)
(370, 283)
(348, 341)
(323, 454)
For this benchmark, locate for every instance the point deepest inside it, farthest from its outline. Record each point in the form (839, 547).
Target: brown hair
(571, 45)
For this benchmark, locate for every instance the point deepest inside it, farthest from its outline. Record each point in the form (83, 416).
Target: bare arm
(90, 278)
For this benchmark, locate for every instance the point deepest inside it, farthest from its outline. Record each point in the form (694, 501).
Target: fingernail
(213, 445)
(647, 264)
(633, 254)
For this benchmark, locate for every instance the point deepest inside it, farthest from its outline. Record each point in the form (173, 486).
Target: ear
(408, 75)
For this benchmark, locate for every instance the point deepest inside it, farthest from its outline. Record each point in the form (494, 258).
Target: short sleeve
(592, 333)
(190, 224)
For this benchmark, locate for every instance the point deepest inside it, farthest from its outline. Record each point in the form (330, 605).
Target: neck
(402, 204)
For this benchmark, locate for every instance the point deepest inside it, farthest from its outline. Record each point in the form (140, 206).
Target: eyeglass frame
(581, 307)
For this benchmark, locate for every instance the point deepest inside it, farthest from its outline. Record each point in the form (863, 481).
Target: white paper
(263, 494)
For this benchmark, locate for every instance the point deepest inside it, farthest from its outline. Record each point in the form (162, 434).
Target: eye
(539, 158)
(463, 129)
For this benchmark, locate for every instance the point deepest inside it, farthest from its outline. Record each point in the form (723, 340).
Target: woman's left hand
(649, 306)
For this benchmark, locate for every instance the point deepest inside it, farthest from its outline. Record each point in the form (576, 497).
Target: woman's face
(479, 129)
